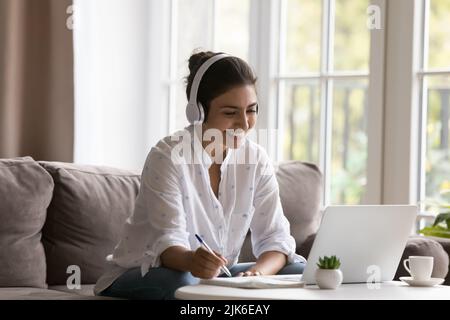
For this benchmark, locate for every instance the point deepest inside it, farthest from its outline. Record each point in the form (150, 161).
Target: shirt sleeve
(159, 219)
(270, 229)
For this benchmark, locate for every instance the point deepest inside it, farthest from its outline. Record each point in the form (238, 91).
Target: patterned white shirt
(176, 201)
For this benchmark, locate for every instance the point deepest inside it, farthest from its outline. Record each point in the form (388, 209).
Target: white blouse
(176, 201)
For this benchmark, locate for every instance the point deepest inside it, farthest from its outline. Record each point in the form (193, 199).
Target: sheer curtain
(120, 68)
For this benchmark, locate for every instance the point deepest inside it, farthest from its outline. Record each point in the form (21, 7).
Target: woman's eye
(234, 113)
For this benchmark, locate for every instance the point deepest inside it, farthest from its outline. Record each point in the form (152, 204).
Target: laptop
(368, 240)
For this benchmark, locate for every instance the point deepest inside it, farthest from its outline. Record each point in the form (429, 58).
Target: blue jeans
(161, 283)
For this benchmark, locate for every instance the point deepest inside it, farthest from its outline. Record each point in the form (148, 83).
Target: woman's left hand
(249, 273)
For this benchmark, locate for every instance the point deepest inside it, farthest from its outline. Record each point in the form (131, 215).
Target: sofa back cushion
(84, 220)
(301, 186)
(25, 193)
(300, 193)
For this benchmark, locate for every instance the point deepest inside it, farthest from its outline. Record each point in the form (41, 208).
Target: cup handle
(406, 267)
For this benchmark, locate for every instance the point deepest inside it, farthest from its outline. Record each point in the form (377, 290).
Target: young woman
(214, 194)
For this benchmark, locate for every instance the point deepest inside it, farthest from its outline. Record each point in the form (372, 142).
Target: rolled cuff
(153, 257)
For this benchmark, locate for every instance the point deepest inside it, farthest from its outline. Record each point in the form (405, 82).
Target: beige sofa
(57, 216)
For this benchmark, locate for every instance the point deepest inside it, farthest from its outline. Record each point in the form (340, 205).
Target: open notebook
(258, 282)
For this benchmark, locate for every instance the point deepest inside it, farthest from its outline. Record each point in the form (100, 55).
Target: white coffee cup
(420, 267)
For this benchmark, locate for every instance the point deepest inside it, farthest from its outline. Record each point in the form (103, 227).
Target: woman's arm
(177, 258)
(268, 263)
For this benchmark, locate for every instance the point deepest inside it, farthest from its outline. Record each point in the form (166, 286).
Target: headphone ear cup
(201, 112)
(192, 113)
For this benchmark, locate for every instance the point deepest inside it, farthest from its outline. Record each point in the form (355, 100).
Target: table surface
(391, 290)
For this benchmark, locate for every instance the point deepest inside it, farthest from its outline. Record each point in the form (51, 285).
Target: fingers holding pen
(225, 261)
(215, 258)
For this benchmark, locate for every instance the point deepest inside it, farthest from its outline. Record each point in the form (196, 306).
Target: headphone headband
(195, 112)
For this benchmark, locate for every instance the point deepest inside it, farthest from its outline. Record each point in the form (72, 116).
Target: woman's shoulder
(166, 144)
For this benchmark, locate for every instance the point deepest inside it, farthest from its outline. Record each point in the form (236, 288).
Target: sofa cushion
(25, 193)
(86, 291)
(300, 193)
(25, 293)
(300, 186)
(445, 243)
(84, 220)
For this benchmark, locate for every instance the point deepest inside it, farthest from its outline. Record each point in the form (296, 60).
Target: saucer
(422, 283)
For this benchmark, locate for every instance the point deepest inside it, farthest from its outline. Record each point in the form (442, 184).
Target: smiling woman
(220, 200)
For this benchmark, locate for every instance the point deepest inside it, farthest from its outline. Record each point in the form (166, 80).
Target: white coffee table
(392, 290)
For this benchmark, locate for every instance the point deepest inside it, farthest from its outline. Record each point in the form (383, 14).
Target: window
(323, 91)
(312, 59)
(435, 100)
(217, 25)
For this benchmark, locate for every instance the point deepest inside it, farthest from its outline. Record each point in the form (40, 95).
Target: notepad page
(258, 282)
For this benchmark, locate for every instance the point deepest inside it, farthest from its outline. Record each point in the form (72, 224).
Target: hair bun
(197, 59)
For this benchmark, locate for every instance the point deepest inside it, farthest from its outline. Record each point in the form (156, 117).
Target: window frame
(265, 50)
(422, 73)
(272, 81)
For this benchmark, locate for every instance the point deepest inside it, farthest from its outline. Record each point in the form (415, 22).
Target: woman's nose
(243, 122)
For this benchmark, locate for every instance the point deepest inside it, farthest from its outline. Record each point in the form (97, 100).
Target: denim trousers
(161, 283)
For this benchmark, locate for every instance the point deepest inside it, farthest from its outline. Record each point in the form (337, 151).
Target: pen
(224, 268)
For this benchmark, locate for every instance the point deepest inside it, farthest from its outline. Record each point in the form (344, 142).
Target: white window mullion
(423, 112)
(263, 57)
(423, 117)
(281, 85)
(402, 89)
(326, 96)
(375, 112)
(425, 34)
(331, 30)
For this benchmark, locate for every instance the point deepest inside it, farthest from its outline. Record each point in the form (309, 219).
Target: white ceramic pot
(328, 278)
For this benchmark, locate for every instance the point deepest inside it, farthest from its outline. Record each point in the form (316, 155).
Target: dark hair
(220, 77)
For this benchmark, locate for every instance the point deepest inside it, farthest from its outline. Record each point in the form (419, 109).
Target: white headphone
(194, 110)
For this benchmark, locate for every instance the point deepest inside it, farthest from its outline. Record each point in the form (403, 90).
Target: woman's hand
(270, 262)
(249, 273)
(205, 265)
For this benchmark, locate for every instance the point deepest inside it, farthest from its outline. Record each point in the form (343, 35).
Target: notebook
(258, 282)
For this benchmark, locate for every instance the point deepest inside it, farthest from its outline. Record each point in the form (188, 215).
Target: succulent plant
(329, 262)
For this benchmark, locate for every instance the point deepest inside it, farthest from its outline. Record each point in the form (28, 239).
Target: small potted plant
(328, 276)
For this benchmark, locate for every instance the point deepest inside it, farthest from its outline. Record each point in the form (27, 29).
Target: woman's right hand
(205, 265)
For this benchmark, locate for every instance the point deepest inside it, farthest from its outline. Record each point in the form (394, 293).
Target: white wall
(118, 113)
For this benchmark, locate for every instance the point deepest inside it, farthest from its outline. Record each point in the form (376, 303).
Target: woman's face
(233, 111)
